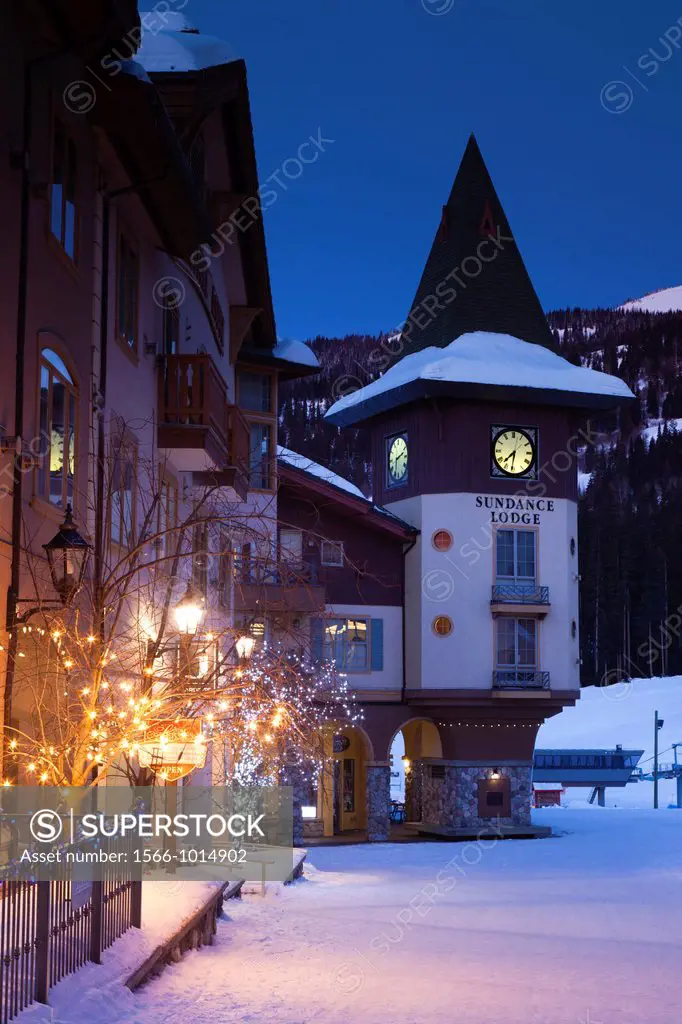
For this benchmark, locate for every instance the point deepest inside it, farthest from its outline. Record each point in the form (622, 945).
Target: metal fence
(50, 929)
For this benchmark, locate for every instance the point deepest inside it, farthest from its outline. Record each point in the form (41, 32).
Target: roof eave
(417, 390)
(131, 112)
(286, 368)
(351, 503)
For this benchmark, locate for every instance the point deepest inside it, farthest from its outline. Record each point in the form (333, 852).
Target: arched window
(57, 430)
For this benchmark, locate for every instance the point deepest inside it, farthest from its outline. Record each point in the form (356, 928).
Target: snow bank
(90, 994)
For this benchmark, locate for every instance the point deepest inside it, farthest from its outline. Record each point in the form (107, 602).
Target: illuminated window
(346, 644)
(57, 430)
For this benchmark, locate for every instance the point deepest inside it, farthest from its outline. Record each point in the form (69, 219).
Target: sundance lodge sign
(515, 511)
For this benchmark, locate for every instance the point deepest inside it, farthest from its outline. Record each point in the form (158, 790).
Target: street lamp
(189, 612)
(244, 647)
(67, 556)
(658, 725)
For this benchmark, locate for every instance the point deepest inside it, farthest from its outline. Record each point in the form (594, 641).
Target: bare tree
(125, 664)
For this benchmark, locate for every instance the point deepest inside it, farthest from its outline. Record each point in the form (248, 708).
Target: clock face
(397, 460)
(513, 451)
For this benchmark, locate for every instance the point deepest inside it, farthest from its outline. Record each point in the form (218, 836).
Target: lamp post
(658, 725)
(67, 557)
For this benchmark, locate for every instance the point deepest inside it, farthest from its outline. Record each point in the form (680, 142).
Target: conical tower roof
(474, 256)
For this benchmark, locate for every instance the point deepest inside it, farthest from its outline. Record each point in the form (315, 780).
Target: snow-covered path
(586, 927)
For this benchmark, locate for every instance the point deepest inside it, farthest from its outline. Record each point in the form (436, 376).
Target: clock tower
(477, 424)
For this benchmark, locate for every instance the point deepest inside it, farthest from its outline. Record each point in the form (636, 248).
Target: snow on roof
(315, 469)
(482, 357)
(295, 352)
(667, 300)
(547, 787)
(171, 43)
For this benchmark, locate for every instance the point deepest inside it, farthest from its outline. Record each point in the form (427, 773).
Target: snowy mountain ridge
(665, 300)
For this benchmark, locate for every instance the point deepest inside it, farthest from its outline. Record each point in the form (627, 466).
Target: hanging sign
(173, 749)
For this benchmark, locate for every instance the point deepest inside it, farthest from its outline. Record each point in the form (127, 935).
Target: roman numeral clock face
(514, 451)
(396, 460)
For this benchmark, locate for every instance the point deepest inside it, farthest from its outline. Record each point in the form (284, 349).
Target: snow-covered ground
(623, 713)
(583, 927)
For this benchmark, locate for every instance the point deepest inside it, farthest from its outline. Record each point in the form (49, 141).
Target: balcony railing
(292, 587)
(284, 574)
(195, 416)
(519, 593)
(520, 679)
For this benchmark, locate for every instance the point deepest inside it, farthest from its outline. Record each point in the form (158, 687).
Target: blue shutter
(377, 645)
(316, 638)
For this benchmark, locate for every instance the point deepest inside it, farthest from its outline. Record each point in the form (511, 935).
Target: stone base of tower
(378, 800)
(472, 796)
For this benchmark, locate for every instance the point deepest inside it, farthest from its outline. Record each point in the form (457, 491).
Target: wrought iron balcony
(507, 598)
(520, 679)
(207, 434)
(519, 593)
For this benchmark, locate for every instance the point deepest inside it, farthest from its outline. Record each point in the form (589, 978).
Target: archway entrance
(341, 803)
(417, 739)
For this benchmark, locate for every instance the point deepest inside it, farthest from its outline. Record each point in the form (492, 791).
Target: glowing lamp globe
(244, 647)
(189, 612)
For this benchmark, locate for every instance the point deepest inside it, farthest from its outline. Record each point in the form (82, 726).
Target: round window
(442, 625)
(442, 540)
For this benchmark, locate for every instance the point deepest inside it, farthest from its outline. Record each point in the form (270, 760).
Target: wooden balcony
(201, 430)
(280, 588)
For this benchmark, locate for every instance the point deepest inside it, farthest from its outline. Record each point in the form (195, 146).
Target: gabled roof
(487, 367)
(196, 75)
(132, 115)
(301, 471)
(475, 256)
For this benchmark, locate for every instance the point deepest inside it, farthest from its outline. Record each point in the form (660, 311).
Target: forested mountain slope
(631, 501)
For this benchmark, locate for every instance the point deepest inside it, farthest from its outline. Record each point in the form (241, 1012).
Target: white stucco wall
(458, 583)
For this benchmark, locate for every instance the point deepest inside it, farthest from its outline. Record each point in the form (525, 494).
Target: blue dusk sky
(576, 107)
